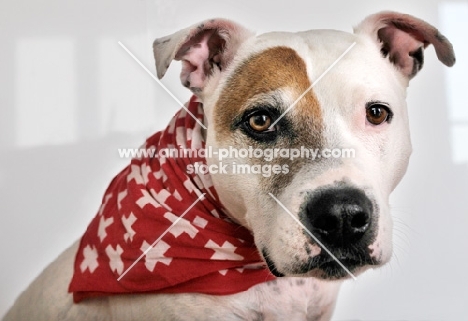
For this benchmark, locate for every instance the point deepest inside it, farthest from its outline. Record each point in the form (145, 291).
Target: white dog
(315, 219)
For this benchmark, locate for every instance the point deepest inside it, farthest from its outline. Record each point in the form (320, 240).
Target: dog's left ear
(403, 39)
(202, 48)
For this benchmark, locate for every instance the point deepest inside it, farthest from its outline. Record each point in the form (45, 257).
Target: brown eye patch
(276, 68)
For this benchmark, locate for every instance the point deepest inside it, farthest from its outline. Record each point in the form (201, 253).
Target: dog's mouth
(324, 266)
(339, 267)
(329, 268)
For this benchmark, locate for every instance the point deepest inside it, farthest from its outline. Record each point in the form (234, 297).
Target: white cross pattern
(161, 197)
(190, 137)
(223, 252)
(191, 187)
(177, 195)
(180, 137)
(183, 226)
(115, 261)
(147, 199)
(200, 221)
(128, 222)
(196, 140)
(160, 173)
(103, 224)
(120, 198)
(223, 272)
(90, 259)
(155, 254)
(135, 174)
(146, 170)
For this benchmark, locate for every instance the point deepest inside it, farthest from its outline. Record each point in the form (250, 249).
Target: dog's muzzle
(343, 219)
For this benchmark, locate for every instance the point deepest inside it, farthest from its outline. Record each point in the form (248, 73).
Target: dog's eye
(377, 113)
(259, 122)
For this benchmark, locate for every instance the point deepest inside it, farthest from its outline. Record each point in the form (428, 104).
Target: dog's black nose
(339, 216)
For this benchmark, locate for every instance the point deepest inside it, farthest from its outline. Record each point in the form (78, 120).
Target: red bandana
(204, 251)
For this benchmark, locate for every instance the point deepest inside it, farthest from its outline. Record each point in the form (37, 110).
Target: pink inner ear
(400, 45)
(194, 62)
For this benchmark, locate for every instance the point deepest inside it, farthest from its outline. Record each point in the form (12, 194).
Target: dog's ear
(201, 48)
(403, 39)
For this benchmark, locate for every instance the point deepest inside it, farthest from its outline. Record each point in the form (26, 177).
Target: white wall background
(70, 96)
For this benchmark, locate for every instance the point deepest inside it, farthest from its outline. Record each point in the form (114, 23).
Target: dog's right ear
(201, 48)
(403, 39)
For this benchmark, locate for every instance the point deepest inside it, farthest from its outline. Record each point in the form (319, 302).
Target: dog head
(337, 95)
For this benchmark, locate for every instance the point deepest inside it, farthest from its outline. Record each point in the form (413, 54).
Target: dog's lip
(346, 261)
(328, 267)
(325, 263)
